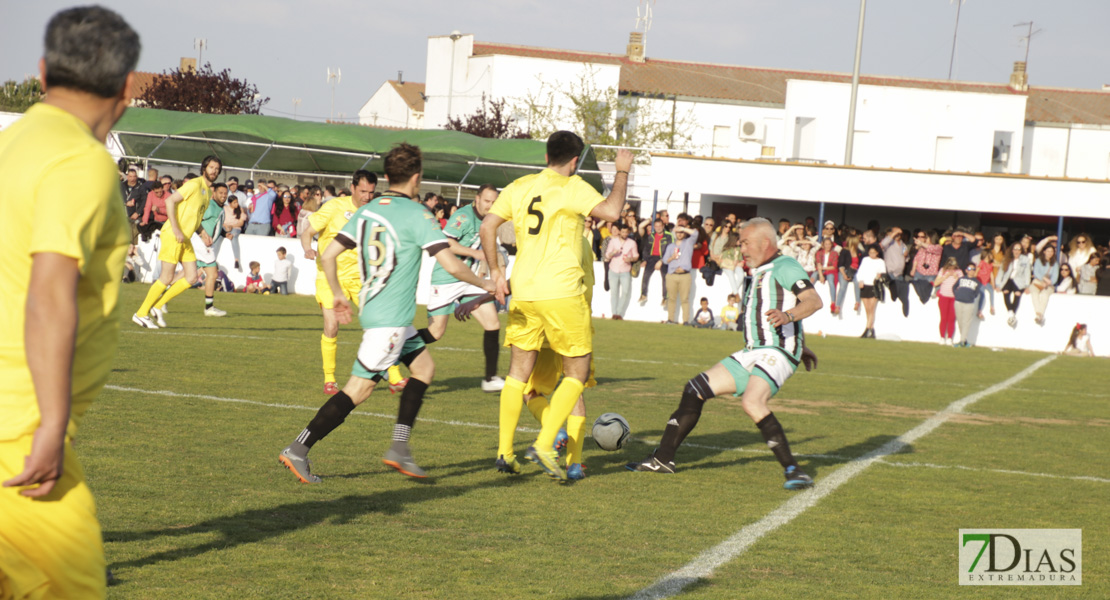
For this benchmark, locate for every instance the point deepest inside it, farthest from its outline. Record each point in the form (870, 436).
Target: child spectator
(730, 313)
(969, 303)
(985, 274)
(703, 319)
(282, 268)
(1079, 344)
(255, 285)
(1088, 283)
(945, 283)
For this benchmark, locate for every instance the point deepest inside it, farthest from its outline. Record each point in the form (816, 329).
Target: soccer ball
(611, 431)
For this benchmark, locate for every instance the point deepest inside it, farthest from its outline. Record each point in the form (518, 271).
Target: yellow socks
(394, 373)
(562, 402)
(328, 347)
(152, 296)
(512, 396)
(537, 406)
(576, 431)
(172, 293)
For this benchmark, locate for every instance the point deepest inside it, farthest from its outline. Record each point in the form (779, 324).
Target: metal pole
(855, 86)
(655, 205)
(821, 222)
(952, 60)
(1060, 238)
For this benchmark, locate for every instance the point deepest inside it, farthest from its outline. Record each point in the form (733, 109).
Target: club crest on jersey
(393, 341)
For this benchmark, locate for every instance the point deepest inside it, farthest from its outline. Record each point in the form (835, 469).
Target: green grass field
(181, 452)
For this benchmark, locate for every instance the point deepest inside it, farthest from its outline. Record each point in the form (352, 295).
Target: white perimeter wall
(921, 325)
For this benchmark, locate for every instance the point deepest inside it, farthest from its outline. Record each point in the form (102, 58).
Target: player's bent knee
(698, 387)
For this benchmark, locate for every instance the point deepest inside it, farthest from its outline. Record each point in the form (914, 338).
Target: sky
(286, 47)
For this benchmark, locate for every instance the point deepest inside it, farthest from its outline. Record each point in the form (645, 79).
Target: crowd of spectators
(859, 267)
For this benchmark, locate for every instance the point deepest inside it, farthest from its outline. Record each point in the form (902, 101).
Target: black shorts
(868, 291)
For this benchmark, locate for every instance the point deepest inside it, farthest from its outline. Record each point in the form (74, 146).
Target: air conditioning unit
(751, 130)
(1001, 153)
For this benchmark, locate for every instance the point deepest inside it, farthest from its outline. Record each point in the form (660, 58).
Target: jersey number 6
(539, 216)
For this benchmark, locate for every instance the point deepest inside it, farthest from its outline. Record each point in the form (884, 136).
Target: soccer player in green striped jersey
(779, 297)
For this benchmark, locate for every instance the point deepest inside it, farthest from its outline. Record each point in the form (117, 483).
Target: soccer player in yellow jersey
(184, 211)
(326, 223)
(59, 287)
(547, 210)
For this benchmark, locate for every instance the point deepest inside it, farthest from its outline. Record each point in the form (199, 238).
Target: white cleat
(212, 311)
(144, 322)
(159, 317)
(495, 384)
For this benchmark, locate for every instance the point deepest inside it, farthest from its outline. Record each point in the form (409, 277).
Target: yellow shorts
(564, 323)
(350, 287)
(49, 547)
(547, 371)
(175, 253)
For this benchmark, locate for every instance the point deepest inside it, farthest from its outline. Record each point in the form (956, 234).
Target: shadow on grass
(257, 525)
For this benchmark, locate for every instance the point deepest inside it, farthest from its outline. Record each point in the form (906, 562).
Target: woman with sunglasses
(1080, 250)
(285, 215)
(1046, 270)
(1066, 283)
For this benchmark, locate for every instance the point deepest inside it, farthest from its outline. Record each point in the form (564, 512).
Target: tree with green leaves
(18, 97)
(203, 91)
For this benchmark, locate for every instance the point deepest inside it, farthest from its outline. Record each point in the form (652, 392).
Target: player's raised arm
(610, 208)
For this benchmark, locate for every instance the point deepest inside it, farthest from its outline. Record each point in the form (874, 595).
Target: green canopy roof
(276, 144)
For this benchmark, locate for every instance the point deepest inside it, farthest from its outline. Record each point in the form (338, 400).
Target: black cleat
(651, 465)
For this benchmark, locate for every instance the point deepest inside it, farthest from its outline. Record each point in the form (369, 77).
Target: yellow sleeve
(320, 219)
(584, 197)
(503, 206)
(69, 221)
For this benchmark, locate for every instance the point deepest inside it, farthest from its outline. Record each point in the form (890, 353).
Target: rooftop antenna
(955, 33)
(1027, 38)
(199, 44)
(333, 79)
(296, 103)
(643, 17)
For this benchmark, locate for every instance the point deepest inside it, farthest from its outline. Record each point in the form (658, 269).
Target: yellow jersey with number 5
(547, 211)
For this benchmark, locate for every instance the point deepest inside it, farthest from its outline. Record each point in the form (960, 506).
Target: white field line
(1003, 471)
(708, 561)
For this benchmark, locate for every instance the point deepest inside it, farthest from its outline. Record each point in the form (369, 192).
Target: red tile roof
(768, 86)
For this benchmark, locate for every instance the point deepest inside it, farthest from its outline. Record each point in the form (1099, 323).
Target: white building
(1008, 132)
(396, 104)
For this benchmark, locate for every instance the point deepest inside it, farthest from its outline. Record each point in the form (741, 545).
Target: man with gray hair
(59, 294)
(779, 297)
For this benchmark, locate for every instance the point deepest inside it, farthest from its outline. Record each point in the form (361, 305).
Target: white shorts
(445, 295)
(382, 347)
(768, 364)
(205, 254)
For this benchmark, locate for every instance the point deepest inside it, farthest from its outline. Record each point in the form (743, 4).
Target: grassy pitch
(181, 452)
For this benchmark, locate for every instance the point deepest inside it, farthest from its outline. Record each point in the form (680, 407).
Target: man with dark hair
(462, 235)
(59, 292)
(326, 223)
(262, 205)
(547, 210)
(655, 243)
(233, 191)
(957, 248)
(212, 224)
(133, 189)
(388, 237)
(780, 296)
(621, 253)
(184, 210)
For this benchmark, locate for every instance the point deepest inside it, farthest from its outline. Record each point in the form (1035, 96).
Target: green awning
(276, 144)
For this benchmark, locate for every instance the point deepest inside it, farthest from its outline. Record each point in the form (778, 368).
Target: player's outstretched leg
(491, 347)
(399, 456)
(512, 396)
(681, 423)
(331, 415)
(576, 436)
(773, 434)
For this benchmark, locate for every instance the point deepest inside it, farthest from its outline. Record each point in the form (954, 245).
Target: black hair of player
(362, 174)
(216, 186)
(90, 49)
(402, 162)
(211, 158)
(484, 187)
(562, 146)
